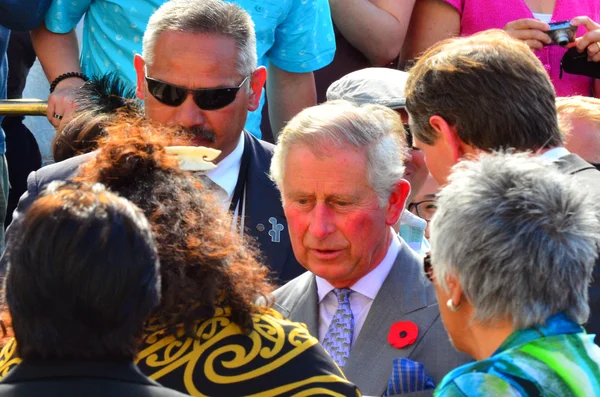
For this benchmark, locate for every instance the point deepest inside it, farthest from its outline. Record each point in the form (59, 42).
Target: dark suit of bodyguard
(202, 76)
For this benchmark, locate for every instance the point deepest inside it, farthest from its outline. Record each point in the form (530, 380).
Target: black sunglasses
(205, 98)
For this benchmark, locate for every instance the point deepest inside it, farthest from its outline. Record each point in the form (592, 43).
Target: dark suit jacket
(589, 178)
(81, 378)
(406, 295)
(263, 205)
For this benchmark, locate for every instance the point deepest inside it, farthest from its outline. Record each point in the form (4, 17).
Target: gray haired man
(340, 171)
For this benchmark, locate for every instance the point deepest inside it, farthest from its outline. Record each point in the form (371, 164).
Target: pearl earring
(451, 306)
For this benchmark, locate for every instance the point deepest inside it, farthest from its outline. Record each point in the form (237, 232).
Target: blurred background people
(367, 33)
(511, 270)
(363, 280)
(381, 86)
(501, 98)
(21, 15)
(83, 276)
(424, 203)
(525, 20)
(581, 120)
(294, 38)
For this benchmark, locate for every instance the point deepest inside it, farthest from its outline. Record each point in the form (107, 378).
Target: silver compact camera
(562, 33)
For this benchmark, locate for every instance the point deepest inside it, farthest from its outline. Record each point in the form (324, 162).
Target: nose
(322, 222)
(188, 114)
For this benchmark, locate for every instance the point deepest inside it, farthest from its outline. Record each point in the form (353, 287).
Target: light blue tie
(338, 339)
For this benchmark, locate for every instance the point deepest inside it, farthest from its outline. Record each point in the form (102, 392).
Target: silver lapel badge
(276, 229)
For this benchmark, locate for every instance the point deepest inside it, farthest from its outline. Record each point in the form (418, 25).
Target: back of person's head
(98, 101)
(207, 17)
(519, 235)
(205, 264)
(373, 129)
(490, 87)
(83, 275)
(580, 117)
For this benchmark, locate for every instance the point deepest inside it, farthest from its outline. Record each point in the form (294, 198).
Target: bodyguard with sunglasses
(198, 70)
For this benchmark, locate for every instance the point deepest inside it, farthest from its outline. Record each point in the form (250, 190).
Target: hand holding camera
(589, 41)
(531, 31)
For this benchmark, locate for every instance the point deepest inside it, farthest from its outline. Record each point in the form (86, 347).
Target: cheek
(297, 222)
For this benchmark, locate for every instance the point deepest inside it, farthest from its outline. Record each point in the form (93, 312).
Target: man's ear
(257, 84)
(140, 71)
(449, 136)
(397, 201)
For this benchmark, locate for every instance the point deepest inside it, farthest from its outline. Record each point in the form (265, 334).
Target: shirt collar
(370, 284)
(555, 153)
(228, 169)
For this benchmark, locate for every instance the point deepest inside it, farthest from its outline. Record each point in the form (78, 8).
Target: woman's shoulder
(476, 384)
(222, 359)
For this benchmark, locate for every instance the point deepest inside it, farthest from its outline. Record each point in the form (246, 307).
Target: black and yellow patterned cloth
(278, 358)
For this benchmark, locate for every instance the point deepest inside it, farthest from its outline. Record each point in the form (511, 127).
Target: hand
(590, 40)
(61, 102)
(531, 31)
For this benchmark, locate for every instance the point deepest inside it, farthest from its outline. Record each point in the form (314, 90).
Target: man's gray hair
(520, 236)
(204, 16)
(373, 129)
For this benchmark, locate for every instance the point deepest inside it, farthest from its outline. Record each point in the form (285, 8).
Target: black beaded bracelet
(66, 76)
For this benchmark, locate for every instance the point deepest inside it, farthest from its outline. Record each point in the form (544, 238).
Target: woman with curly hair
(206, 337)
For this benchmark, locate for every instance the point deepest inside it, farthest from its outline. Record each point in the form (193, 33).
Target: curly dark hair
(204, 263)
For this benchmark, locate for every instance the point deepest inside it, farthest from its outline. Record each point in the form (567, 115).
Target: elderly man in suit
(339, 168)
(198, 70)
(501, 98)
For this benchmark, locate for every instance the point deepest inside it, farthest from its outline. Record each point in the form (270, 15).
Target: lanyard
(237, 200)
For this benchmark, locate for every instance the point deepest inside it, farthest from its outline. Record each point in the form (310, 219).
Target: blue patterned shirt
(558, 359)
(294, 35)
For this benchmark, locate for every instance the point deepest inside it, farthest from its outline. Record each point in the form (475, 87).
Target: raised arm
(58, 54)
(432, 21)
(375, 27)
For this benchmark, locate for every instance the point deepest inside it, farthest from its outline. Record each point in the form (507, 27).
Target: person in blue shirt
(294, 38)
(16, 15)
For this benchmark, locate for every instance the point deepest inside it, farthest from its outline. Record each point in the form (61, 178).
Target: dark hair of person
(98, 101)
(82, 275)
(490, 87)
(204, 263)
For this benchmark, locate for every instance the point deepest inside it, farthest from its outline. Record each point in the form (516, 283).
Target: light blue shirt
(295, 35)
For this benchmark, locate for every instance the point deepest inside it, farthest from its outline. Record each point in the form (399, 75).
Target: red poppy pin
(402, 334)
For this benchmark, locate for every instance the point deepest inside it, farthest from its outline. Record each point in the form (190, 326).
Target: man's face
(196, 60)
(337, 228)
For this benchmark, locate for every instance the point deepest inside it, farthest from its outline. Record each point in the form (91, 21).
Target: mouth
(326, 254)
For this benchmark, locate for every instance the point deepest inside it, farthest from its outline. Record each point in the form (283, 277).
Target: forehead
(184, 58)
(334, 170)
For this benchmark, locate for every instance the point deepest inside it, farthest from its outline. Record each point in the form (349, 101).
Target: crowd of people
(423, 222)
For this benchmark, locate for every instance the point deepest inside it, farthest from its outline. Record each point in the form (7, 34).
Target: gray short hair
(374, 129)
(520, 236)
(204, 16)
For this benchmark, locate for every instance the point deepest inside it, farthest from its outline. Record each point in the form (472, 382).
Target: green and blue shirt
(558, 359)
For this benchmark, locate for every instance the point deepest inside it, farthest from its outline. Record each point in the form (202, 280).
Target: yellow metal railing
(23, 107)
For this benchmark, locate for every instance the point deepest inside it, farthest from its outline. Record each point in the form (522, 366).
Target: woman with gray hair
(514, 243)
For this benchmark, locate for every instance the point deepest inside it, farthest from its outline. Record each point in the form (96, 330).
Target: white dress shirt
(555, 153)
(227, 172)
(364, 292)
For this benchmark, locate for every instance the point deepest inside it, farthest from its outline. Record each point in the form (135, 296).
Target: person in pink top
(527, 20)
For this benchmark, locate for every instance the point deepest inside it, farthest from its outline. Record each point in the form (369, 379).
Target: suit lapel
(572, 164)
(403, 293)
(306, 309)
(264, 212)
